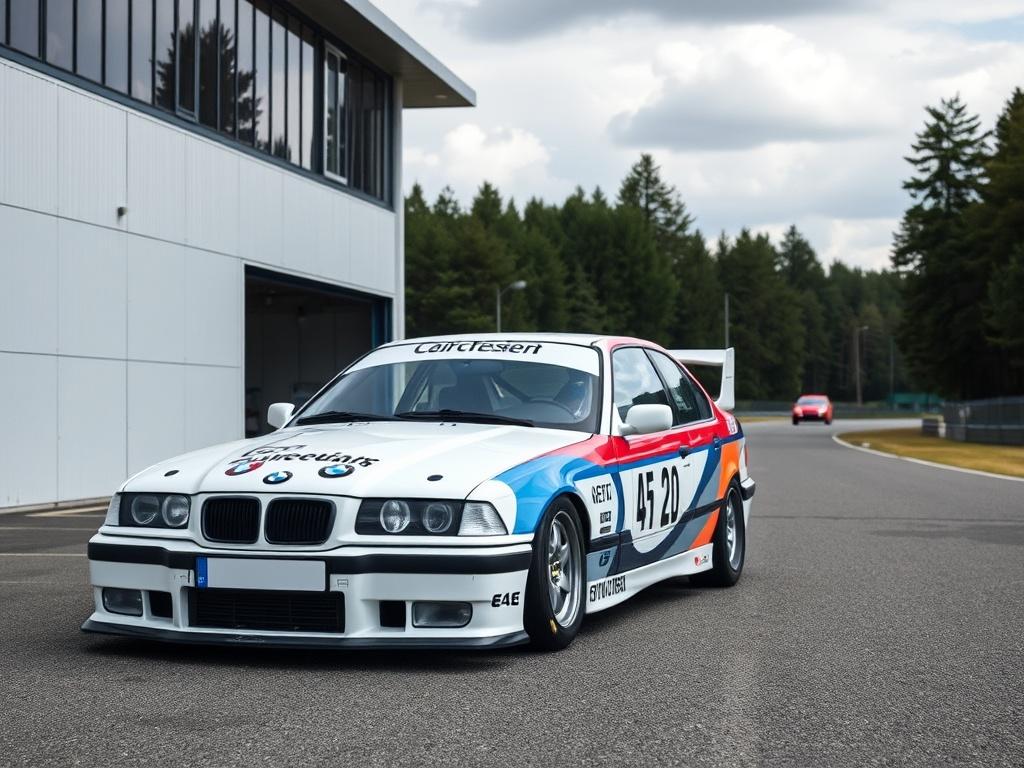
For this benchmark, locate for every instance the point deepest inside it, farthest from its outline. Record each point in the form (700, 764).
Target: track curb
(926, 463)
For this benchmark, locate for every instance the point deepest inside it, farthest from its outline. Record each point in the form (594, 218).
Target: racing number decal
(668, 492)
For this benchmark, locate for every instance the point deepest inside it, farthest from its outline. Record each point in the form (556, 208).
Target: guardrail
(841, 410)
(999, 420)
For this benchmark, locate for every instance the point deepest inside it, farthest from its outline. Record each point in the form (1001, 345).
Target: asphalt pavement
(879, 621)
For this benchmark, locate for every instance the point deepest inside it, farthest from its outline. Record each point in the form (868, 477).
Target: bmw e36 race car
(462, 491)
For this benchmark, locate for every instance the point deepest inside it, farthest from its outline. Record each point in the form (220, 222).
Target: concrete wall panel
(28, 281)
(28, 390)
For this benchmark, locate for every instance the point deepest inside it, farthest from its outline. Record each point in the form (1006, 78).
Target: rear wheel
(730, 544)
(795, 421)
(553, 609)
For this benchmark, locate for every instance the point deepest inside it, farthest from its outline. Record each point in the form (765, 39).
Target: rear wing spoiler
(720, 358)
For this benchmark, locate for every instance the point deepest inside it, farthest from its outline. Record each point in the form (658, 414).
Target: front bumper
(366, 577)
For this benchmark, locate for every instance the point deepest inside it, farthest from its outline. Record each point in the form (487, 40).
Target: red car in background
(812, 408)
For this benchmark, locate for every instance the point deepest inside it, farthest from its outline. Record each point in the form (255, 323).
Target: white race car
(462, 491)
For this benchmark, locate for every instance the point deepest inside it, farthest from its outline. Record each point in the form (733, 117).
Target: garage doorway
(298, 334)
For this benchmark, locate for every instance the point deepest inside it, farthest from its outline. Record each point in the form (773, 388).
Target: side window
(635, 381)
(690, 404)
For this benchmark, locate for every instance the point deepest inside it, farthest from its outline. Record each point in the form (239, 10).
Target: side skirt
(612, 590)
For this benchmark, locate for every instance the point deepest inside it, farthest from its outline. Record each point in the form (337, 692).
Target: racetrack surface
(879, 621)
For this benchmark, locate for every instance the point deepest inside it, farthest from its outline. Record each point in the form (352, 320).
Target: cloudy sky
(762, 113)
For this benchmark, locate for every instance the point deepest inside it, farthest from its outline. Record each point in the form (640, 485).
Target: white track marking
(927, 463)
(42, 554)
(73, 512)
(41, 528)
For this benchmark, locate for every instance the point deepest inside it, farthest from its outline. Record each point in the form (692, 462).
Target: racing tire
(730, 544)
(828, 422)
(795, 421)
(556, 584)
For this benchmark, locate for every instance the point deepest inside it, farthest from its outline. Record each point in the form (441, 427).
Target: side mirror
(645, 419)
(278, 414)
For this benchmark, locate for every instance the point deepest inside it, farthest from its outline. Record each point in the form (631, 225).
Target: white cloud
(510, 158)
(810, 114)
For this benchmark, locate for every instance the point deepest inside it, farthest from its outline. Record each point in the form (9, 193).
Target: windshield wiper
(329, 416)
(448, 414)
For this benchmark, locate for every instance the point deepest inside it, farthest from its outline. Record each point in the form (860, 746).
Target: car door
(658, 479)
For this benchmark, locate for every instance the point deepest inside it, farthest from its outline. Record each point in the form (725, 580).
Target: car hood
(388, 458)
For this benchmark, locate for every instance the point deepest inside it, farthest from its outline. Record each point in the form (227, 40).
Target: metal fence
(999, 420)
(842, 410)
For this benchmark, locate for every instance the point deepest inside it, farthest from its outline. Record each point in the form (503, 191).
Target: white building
(191, 226)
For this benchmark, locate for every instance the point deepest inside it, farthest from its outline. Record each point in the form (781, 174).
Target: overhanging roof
(426, 82)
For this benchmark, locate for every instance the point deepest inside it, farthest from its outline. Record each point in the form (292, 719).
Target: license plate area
(261, 574)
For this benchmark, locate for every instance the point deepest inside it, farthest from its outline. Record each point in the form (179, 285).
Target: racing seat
(467, 394)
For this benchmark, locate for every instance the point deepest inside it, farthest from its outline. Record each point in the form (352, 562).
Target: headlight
(428, 517)
(150, 510)
(395, 516)
(174, 511)
(481, 519)
(437, 516)
(145, 509)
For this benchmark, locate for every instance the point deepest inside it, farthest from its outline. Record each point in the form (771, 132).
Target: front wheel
(795, 421)
(730, 544)
(553, 609)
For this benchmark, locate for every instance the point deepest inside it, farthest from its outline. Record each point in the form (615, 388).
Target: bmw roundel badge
(336, 470)
(275, 478)
(242, 467)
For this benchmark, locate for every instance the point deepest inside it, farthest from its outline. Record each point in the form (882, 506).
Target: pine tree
(943, 292)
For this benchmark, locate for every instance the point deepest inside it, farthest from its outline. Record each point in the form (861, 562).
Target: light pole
(856, 359)
(518, 285)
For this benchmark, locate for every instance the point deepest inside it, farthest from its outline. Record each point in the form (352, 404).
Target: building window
(60, 34)
(24, 26)
(228, 48)
(209, 75)
(261, 106)
(89, 39)
(142, 50)
(308, 73)
(115, 45)
(164, 54)
(246, 68)
(335, 126)
(186, 56)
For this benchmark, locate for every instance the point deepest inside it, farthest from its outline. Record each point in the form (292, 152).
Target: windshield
(463, 389)
(812, 400)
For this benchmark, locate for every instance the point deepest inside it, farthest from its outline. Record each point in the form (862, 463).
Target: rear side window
(635, 381)
(688, 401)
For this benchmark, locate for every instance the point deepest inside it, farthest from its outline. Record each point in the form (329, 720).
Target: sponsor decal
(605, 557)
(730, 422)
(296, 453)
(276, 478)
(606, 516)
(607, 588)
(243, 467)
(601, 493)
(336, 470)
(512, 347)
(700, 559)
(605, 529)
(509, 598)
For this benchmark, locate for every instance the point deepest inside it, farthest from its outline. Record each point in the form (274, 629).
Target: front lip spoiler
(275, 641)
(467, 564)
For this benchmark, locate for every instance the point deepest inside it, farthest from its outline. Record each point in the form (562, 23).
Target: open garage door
(298, 335)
